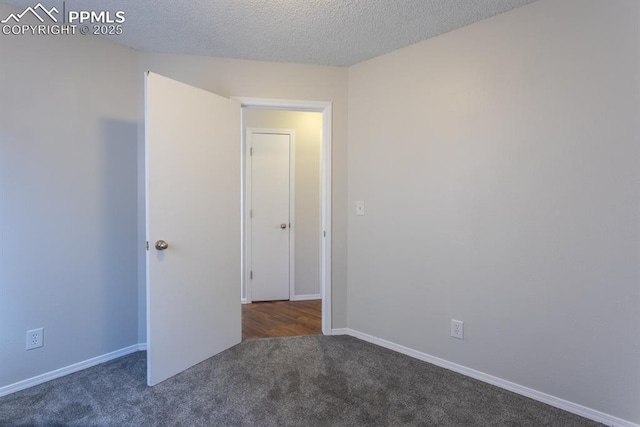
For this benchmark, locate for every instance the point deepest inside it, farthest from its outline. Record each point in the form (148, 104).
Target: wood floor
(281, 319)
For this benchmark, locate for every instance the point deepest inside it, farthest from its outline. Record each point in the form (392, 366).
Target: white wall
(499, 166)
(68, 210)
(233, 77)
(308, 144)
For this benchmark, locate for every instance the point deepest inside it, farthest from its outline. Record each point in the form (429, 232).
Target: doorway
(310, 266)
(191, 156)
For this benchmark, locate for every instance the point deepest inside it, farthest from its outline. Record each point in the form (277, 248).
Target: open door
(193, 225)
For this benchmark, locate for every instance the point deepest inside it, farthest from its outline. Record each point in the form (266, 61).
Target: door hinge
(251, 275)
(324, 233)
(250, 213)
(146, 246)
(250, 151)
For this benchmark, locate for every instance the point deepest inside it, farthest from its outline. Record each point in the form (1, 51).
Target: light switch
(360, 208)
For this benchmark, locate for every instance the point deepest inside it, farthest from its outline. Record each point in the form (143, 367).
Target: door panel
(270, 228)
(193, 203)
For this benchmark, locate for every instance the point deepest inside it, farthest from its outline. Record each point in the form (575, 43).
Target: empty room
(462, 224)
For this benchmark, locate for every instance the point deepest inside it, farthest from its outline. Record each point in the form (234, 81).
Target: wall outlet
(457, 329)
(35, 338)
(360, 207)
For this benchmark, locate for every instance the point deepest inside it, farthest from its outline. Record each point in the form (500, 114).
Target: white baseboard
(142, 346)
(48, 376)
(293, 298)
(305, 297)
(557, 402)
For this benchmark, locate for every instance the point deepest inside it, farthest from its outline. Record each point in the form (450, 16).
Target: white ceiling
(324, 32)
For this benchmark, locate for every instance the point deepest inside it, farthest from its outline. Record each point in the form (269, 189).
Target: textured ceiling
(325, 32)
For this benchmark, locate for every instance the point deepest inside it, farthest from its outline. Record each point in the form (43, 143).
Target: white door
(193, 204)
(270, 219)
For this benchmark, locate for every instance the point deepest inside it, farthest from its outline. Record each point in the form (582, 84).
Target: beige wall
(308, 144)
(232, 77)
(68, 215)
(499, 166)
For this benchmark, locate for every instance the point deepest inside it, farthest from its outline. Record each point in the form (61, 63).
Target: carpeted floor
(298, 381)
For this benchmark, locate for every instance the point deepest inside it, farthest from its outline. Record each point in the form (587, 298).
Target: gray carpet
(299, 381)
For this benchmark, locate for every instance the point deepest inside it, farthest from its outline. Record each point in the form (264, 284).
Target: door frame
(323, 107)
(247, 250)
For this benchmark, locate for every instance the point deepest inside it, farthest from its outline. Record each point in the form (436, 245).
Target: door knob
(283, 225)
(161, 245)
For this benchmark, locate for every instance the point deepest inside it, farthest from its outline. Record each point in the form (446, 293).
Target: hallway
(281, 319)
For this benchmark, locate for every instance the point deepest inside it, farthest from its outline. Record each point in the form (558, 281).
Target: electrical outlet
(457, 329)
(35, 338)
(360, 207)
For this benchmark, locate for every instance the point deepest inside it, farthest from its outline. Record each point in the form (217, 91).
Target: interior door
(193, 225)
(270, 221)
